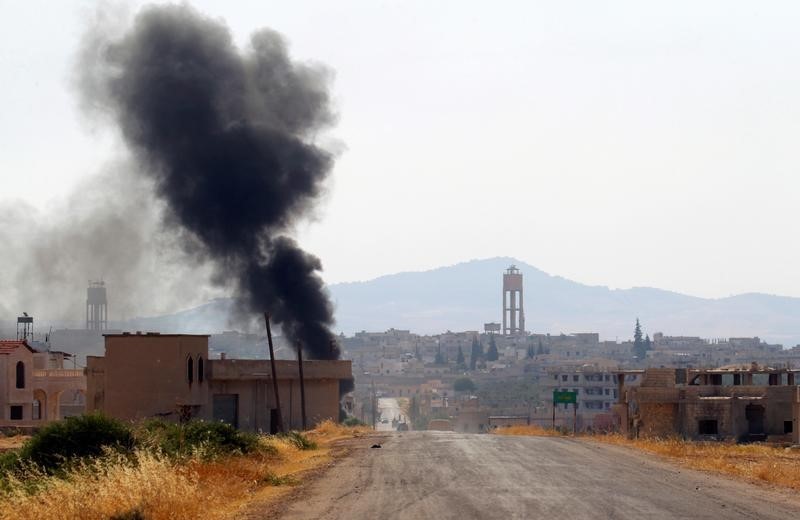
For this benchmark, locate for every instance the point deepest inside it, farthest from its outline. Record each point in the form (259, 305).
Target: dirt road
(442, 475)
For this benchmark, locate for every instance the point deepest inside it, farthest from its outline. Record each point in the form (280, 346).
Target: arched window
(200, 367)
(20, 374)
(190, 369)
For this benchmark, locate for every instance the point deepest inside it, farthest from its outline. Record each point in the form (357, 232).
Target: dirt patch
(275, 504)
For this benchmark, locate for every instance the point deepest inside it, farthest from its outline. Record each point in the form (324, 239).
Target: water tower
(96, 306)
(24, 327)
(513, 313)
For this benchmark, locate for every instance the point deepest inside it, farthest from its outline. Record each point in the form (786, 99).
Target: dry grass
(758, 463)
(531, 430)
(12, 443)
(158, 488)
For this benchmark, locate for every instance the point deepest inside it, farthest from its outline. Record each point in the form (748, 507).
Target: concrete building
(597, 392)
(170, 376)
(35, 388)
(741, 404)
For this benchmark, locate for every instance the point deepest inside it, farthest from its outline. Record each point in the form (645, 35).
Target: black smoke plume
(227, 138)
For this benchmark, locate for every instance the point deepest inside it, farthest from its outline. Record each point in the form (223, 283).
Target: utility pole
(374, 404)
(278, 416)
(302, 385)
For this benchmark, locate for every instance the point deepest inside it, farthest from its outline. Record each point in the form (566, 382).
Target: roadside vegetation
(757, 462)
(93, 467)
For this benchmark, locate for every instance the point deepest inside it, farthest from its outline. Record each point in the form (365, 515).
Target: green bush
(73, 439)
(211, 439)
(464, 384)
(353, 421)
(299, 440)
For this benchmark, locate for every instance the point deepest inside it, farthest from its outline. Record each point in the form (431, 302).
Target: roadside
(344, 451)
(156, 480)
(755, 463)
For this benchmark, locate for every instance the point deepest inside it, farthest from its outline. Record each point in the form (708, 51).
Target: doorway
(755, 419)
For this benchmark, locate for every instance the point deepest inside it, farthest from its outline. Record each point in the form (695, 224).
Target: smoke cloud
(101, 230)
(227, 139)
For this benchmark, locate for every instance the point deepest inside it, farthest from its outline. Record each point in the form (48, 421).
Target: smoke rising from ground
(226, 138)
(101, 230)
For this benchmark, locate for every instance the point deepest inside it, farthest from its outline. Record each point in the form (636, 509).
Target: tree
(492, 354)
(464, 384)
(417, 353)
(440, 360)
(475, 354)
(648, 345)
(460, 361)
(540, 349)
(531, 352)
(638, 343)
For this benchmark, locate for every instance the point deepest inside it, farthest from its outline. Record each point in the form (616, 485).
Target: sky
(613, 143)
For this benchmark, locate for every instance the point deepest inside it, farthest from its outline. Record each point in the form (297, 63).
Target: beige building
(36, 388)
(739, 404)
(170, 376)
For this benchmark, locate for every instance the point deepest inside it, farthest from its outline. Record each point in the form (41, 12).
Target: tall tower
(513, 314)
(24, 327)
(96, 306)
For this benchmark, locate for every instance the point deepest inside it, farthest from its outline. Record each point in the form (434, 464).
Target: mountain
(466, 295)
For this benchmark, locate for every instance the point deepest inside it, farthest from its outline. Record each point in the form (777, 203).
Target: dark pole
(302, 385)
(575, 417)
(274, 375)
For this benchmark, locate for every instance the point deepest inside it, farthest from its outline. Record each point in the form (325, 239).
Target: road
(389, 409)
(444, 475)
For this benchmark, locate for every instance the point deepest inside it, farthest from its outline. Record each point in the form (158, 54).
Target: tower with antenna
(513, 312)
(96, 306)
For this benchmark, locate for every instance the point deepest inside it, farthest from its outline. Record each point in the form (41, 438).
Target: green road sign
(564, 397)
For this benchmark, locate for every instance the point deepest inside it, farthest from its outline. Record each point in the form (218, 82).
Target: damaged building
(736, 404)
(170, 376)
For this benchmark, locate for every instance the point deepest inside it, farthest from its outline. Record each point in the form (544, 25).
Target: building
(170, 376)
(36, 388)
(740, 404)
(597, 392)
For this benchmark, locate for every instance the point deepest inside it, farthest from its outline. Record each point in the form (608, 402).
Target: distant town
(475, 380)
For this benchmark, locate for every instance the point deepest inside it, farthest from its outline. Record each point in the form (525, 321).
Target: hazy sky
(614, 143)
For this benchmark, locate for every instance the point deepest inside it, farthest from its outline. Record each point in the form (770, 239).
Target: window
(20, 374)
(564, 377)
(16, 413)
(575, 378)
(200, 366)
(707, 427)
(788, 427)
(190, 370)
(36, 411)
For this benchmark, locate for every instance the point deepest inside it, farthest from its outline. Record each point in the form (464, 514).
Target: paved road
(448, 475)
(389, 409)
